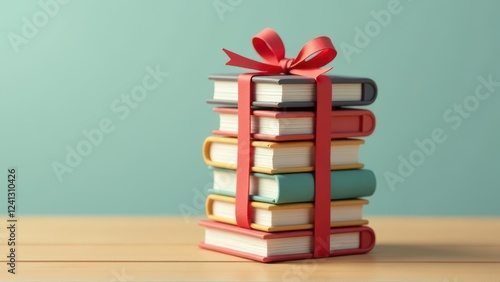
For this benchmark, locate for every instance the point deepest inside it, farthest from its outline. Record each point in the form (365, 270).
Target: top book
(283, 91)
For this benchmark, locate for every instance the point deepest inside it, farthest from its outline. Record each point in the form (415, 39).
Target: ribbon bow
(313, 55)
(308, 62)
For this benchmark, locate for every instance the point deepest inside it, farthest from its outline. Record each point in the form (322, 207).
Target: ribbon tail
(312, 73)
(237, 60)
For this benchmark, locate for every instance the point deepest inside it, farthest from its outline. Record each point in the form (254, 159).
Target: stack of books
(282, 178)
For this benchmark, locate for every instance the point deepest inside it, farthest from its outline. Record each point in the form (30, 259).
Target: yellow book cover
(280, 157)
(286, 217)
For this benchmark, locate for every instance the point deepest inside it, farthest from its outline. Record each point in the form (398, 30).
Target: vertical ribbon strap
(322, 179)
(244, 150)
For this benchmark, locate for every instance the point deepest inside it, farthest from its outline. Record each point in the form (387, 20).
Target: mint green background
(65, 79)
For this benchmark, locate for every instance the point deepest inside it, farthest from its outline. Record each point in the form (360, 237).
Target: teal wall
(65, 68)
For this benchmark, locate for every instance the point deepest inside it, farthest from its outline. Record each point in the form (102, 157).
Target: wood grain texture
(164, 248)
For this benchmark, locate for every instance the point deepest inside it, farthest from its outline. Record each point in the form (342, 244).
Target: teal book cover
(298, 187)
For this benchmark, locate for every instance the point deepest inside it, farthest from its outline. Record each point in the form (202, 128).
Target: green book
(296, 187)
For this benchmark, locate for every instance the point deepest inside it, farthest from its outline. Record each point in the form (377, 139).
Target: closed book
(282, 246)
(276, 218)
(295, 125)
(296, 187)
(281, 157)
(287, 91)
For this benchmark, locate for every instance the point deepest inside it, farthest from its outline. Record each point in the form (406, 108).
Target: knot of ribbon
(314, 54)
(308, 63)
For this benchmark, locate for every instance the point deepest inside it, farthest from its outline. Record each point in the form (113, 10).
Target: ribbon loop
(269, 46)
(315, 53)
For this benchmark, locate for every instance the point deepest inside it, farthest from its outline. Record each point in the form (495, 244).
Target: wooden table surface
(164, 248)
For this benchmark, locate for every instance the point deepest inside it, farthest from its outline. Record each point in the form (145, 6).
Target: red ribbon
(308, 62)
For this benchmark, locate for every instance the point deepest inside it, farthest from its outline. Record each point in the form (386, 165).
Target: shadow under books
(420, 253)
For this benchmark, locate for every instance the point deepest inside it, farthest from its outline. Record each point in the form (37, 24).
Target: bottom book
(282, 246)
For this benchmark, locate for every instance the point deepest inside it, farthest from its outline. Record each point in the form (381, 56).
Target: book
(280, 125)
(276, 218)
(280, 157)
(279, 91)
(281, 246)
(296, 187)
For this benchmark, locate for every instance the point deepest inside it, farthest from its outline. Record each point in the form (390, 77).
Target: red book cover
(276, 125)
(365, 243)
